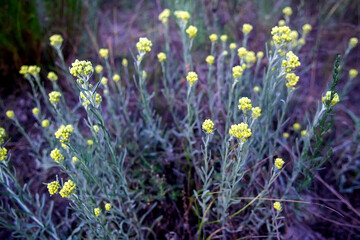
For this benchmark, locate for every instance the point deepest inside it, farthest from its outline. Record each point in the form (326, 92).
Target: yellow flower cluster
(191, 30)
(256, 89)
(210, 59)
(98, 98)
(297, 126)
(107, 207)
(353, 73)
(104, 81)
(68, 189)
(96, 128)
(53, 187)
(224, 38)
(237, 71)
(244, 104)
(281, 22)
(85, 101)
(81, 68)
(281, 34)
(192, 77)
(90, 142)
(213, 37)
(286, 135)
(3, 152)
(232, 46)
(52, 76)
(250, 57)
(10, 114)
(124, 62)
(287, 11)
(116, 77)
(208, 126)
(260, 55)
(45, 123)
(256, 112)
(74, 159)
(306, 28)
(161, 56)
(277, 206)
(56, 40)
(294, 35)
(291, 62)
(104, 53)
(2, 135)
(97, 212)
(164, 15)
(240, 131)
(54, 97)
(56, 155)
(98, 69)
(327, 97)
(292, 80)
(32, 70)
(182, 15)
(279, 162)
(64, 133)
(144, 45)
(353, 41)
(247, 28)
(242, 52)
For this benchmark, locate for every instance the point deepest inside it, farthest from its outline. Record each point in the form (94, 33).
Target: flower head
(256, 89)
(242, 52)
(292, 80)
(107, 207)
(97, 212)
(291, 62)
(232, 46)
(35, 111)
(53, 187)
(334, 100)
(124, 62)
(210, 59)
(52, 76)
(74, 159)
(81, 68)
(279, 162)
(224, 38)
(353, 41)
(10, 114)
(250, 57)
(304, 132)
(90, 142)
(286, 135)
(287, 11)
(64, 133)
(56, 40)
(104, 53)
(353, 73)
(306, 28)
(98, 69)
(56, 155)
(104, 81)
(3, 152)
(277, 206)
(281, 23)
(192, 77)
(237, 71)
(116, 77)
(208, 126)
(247, 28)
(240, 131)
(213, 37)
(182, 15)
(297, 126)
(144, 45)
(191, 30)
(2, 135)
(45, 123)
(281, 34)
(161, 56)
(54, 97)
(260, 55)
(68, 189)
(96, 128)
(256, 112)
(244, 104)
(164, 15)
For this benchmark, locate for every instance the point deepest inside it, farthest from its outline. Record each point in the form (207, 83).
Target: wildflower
(64, 133)
(98, 98)
(247, 28)
(256, 89)
(208, 126)
(353, 41)
(260, 55)
(291, 62)
(213, 37)
(244, 104)
(281, 23)
(56, 40)
(306, 28)
(191, 30)
(54, 97)
(97, 212)
(108, 206)
(90, 142)
(292, 80)
(85, 101)
(353, 73)
(116, 77)
(3, 153)
(304, 132)
(232, 46)
(250, 57)
(242, 52)
(287, 11)
(256, 112)
(164, 15)
(279, 162)
(144, 45)
(104, 81)
(10, 114)
(81, 68)
(144, 74)
(68, 189)
(240, 131)
(297, 126)
(52, 76)
(224, 37)
(277, 206)
(64, 146)
(96, 128)
(182, 15)
(74, 159)
(294, 35)
(210, 59)
(35, 111)
(53, 187)
(104, 53)
(24, 70)
(281, 34)
(45, 123)
(98, 69)
(161, 56)
(124, 62)
(334, 100)
(56, 155)
(192, 77)
(302, 41)
(286, 135)
(237, 71)
(2, 135)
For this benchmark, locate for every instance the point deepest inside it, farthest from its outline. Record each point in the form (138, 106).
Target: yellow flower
(3, 153)
(224, 37)
(104, 53)
(182, 15)
(334, 100)
(90, 142)
(54, 97)
(98, 69)
(287, 11)
(256, 112)
(250, 57)
(294, 35)
(2, 135)
(107, 207)
(161, 56)
(116, 77)
(286, 135)
(277, 206)
(291, 62)
(97, 212)
(191, 30)
(281, 23)
(192, 77)
(208, 126)
(279, 162)
(353, 73)
(56, 155)
(64, 133)
(81, 68)
(256, 89)
(144, 45)
(306, 28)
(281, 34)
(232, 46)
(125, 62)
(96, 128)
(213, 37)
(35, 111)
(260, 54)
(98, 98)
(242, 52)
(304, 132)
(104, 81)
(164, 16)
(297, 126)
(68, 189)
(64, 146)
(247, 28)
(24, 70)
(302, 41)
(84, 99)
(52, 76)
(45, 123)
(237, 71)
(53, 187)
(56, 40)
(10, 114)
(210, 59)
(74, 159)
(244, 104)
(292, 80)
(353, 41)
(240, 131)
